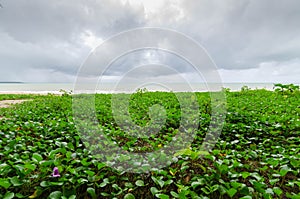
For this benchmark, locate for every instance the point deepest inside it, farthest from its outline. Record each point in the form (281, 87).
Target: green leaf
(277, 190)
(253, 154)
(55, 195)
(245, 174)
(92, 192)
(235, 184)
(116, 187)
(295, 163)
(72, 197)
(200, 182)
(174, 194)
(9, 195)
(129, 185)
(246, 197)
(273, 181)
(139, 183)
(154, 190)
(16, 181)
(129, 196)
(82, 180)
(284, 170)
(45, 184)
(101, 165)
(162, 196)
(168, 182)
(257, 176)
(200, 153)
(56, 183)
(259, 186)
(160, 182)
(104, 183)
(70, 145)
(90, 173)
(214, 188)
(18, 195)
(30, 166)
(205, 190)
(181, 152)
(37, 157)
(222, 189)
(105, 194)
(231, 192)
(4, 183)
(54, 152)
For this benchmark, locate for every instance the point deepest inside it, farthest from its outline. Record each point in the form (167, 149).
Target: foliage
(245, 89)
(256, 156)
(286, 88)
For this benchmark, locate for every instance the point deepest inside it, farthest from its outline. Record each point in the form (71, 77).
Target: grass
(256, 156)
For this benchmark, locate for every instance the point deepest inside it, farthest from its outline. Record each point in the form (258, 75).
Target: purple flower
(55, 172)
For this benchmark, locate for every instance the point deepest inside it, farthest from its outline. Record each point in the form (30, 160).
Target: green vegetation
(256, 156)
(17, 96)
(284, 88)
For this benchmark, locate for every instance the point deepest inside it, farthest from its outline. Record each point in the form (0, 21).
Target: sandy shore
(31, 92)
(8, 103)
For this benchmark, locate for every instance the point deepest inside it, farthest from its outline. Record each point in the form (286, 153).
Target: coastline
(103, 92)
(29, 92)
(59, 89)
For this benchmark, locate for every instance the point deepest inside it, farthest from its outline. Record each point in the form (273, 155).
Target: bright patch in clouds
(149, 5)
(90, 39)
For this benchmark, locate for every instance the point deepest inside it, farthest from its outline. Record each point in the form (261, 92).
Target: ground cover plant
(256, 156)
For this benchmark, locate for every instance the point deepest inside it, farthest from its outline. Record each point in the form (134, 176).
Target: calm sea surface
(111, 88)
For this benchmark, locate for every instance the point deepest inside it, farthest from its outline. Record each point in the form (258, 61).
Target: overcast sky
(249, 40)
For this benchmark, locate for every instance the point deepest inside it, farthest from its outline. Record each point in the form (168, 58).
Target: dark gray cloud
(154, 58)
(45, 21)
(52, 36)
(49, 40)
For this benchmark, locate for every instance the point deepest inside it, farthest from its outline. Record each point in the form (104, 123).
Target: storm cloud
(250, 41)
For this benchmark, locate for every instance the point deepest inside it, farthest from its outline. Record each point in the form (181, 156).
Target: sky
(249, 41)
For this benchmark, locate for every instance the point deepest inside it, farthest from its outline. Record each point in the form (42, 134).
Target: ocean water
(112, 88)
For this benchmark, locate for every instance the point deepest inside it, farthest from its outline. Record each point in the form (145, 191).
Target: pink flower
(55, 172)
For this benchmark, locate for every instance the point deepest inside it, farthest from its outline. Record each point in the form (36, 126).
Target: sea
(57, 88)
